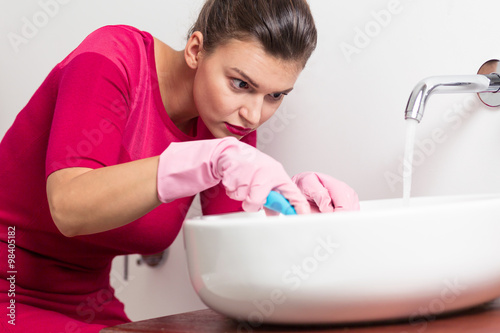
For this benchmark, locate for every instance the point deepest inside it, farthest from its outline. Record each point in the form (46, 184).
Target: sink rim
(368, 207)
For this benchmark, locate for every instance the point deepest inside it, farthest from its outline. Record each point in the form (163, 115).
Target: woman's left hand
(326, 194)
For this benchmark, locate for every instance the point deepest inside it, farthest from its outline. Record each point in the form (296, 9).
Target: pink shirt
(100, 106)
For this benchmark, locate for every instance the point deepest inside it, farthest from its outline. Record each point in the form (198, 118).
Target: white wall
(345, 116)
(349, 110)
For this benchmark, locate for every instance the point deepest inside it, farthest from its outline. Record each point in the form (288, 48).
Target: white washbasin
(384, 262)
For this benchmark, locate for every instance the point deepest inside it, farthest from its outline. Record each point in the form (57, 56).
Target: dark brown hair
(285, 28)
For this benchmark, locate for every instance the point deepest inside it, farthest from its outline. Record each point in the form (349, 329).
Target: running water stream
(411, 125)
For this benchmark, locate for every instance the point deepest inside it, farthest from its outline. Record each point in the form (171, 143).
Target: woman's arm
(85, 201)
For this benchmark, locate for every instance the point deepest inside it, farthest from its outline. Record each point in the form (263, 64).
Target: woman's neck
(175, 79)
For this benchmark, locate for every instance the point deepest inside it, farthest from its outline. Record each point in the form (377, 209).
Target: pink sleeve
(214, 200)
(90, 114)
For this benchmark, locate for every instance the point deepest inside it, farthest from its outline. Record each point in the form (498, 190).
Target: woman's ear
(193, 49)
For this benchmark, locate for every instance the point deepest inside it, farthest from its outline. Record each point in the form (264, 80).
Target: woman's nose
(251, 111)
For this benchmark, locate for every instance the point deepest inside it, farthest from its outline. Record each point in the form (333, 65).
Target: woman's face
(238, 87)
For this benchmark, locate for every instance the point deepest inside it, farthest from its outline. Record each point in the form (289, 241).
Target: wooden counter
(482, 319)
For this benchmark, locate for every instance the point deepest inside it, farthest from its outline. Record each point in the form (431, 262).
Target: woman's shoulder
(118, 33)
(122, 44)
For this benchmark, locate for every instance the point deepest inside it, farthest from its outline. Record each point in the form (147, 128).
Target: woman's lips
(237, 130)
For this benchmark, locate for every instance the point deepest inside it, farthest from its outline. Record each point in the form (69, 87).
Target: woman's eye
(277, 96)
(239, 84)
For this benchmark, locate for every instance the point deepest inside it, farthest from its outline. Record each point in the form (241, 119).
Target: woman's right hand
(247, 174)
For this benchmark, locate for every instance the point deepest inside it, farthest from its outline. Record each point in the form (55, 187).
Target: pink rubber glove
(248, 175)
(325, 193)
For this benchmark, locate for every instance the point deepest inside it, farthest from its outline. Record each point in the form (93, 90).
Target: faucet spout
(448, 85)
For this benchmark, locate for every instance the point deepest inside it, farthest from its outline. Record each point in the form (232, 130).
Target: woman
(107, 155)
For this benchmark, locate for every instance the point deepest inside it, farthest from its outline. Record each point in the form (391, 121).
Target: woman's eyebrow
(248, 79)
(286, 91)
(245, 76)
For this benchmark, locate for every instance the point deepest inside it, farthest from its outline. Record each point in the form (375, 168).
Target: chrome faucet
(448, 85)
